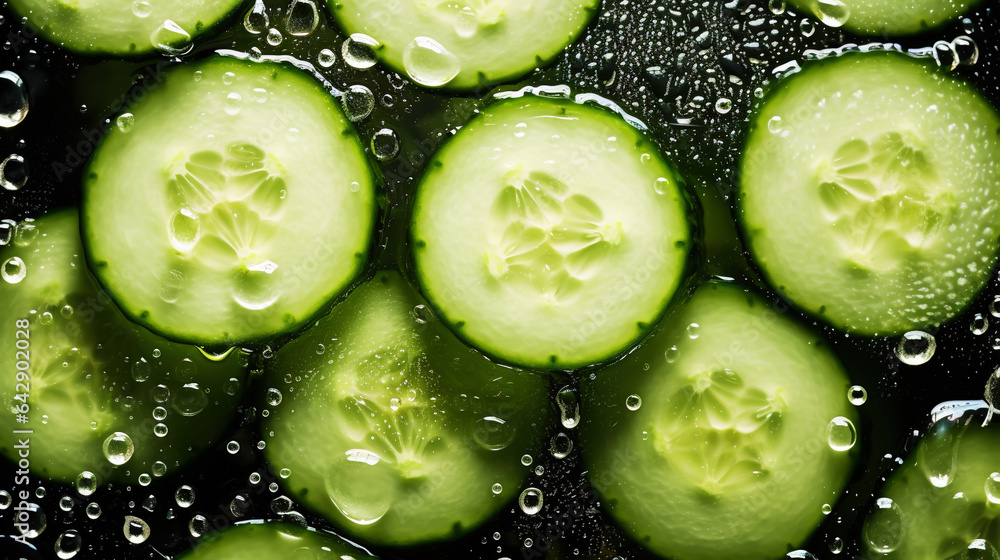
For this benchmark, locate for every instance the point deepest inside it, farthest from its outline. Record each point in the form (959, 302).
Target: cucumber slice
(237, 206)
(867, 192)
(465, 44)
(124, 27)
(724, 434)
(567, 244)
(885, 17)
(944, 502)
(101, 394)
(390, 427)
(273, 541)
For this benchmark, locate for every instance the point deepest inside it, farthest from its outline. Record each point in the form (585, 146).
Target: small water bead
(531, 501)
(285, 473)
(539, 470)
(777, 7)
(68, 544)
(66, 311)
(569, 407)
(421, 314)
(916, 348)
(326, 58)
(385, 144)
(965, 49)
(633, 402)
(184, 496)
(256, 21)
(883, 529)
(992, 488)
(274, 37)
(136, 530)
(232, 386)
(497, 488)
(493, 433)
(40, 492)
(661, 185)
(190, 400)
(429, 64)
(302, 19)
(837, 545)
(159, 469)
(833, 13)
(526, 460)
(254, 478)
(560, 445)
(145, 479)
(857, 395)
(359, 51)
(801, 555)
(693, 330)
(841, 434)
(5, 499)
(827, 509)
(7, 228)
(240, 506)
(13, 270)
(118, 448)
(141, 9)
(723, 105)
(66, 503)
(13, 173)
(945, 55)
(273, 396)
(233, 447)
(273, 487)
(528, 543)
(670, 355)
(13, 99)
(358, 102)
(198, 525)
(980, 324)
(86, 483)
(160, 430)
(93, 510)
(149, 504)
(234, 103)
(170, 38)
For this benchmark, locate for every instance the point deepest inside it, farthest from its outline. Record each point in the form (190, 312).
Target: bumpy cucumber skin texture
(936, 524)
(796, 245)
(653, 472)
(439, 453)
(88, 393)
(496, 52)
(888, 17)
(272, 541)
(653, 264)
(326, 234)
(100, 27)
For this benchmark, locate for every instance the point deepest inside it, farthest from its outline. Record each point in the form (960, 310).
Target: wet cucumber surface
(691, 71)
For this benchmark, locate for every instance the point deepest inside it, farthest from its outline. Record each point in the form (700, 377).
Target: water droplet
(693, 330)
(832, 12)
(992, 488)
(326, 58)
(633, 402)
(359, 51)
(274, 37)
(493, 433)
(670, 355)
(159, 414)
(774, 125)
(159, 469)
(361, 503)
(185, 230)
(68, 544)
(93, 510)
(497, 488)
(801, 555)
(303, 17)
(429, 64)
(13, 99)
(171, 38)
(857, 395)
(256, 21)
(916, 348)
(980, 324)
(160, 430)
(66, 311)
(86, 483)
(569, 407)
(385, 144)
(531, 501)
(777, 7)
(560, 445)
(234, 103)
(184, 496)
(160, 393)
(141, 9)
(232, 386)
(528, 543)
(661, 185)
(883, 528)
(118, 448)
(273, 397)
(136, 530)
(421, 314)
(724, 105)
(198, 525)
(13, 270)
(66, 503)
(526, 459)
(254, 289)
(233, 447)
(13, 173)
(145, 479)
(945, 55)
(841, 434)
(189, 400)
(965, 49)
(358, 102)
(240, 506)
(539, 470)
(254, 478)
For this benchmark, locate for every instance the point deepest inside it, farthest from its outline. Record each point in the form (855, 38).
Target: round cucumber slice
(549, 233)
(465, 44)
(885, 17)
(390, 427)
(867, 192)
(944, 502)
(124, 27)
(273, 541)
(724, 434)
(98, 394)
(238, 204)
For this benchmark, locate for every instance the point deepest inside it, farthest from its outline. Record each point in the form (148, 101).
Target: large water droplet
(916, 348)
(832, 12)
(273, 396)
(359, 51)
(13, 270)
(13, 99)
(531, 501)
(36, 521)
(493, 433)
(326, 58)
(86, 483)
(303, 17)
(68, 544)
(966, 50)
(189, 400)
(841, 434)
(992, 488)
(358, 102)
(184, 496)
(254, 289)
(361, 503)
(385, 144)
(980, 324)
(184, 230)
(560, 445)
(569, 407)
(13, 173)
(857, 395)
(118, 448)
(633, 402)
(430, 64)
(170, 38)
(883, 529)
(256, 21)
(136, 530)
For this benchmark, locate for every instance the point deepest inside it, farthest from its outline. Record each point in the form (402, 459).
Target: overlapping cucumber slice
(238, 204)
(273, 541)
(885, 17)
(101, 394)
(724, 434)
(392, 429)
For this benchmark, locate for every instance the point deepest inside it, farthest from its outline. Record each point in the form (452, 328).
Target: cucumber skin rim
(689, 274)
(484, 84)
(280, 336)
(737, 210)
(207, 30)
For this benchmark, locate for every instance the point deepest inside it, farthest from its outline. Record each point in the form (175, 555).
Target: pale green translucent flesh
(566, 246)
(112, 27)
(257, 207)
(727, 454)
(890, 17)
(941, 520)
(84, 379)
(869, 189)
(492, 40)
(271, 541)
(388, 430)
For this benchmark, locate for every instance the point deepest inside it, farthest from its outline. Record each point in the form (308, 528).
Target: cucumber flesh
(390, 427)
(549, 233)
(867, 192)
(103, 395)
(237, 206)
(885, 17)
(124, 27)
(723, 435)
(465, 44)
(273, 541)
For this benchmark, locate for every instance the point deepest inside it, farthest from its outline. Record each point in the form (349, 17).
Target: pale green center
(467, 17)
